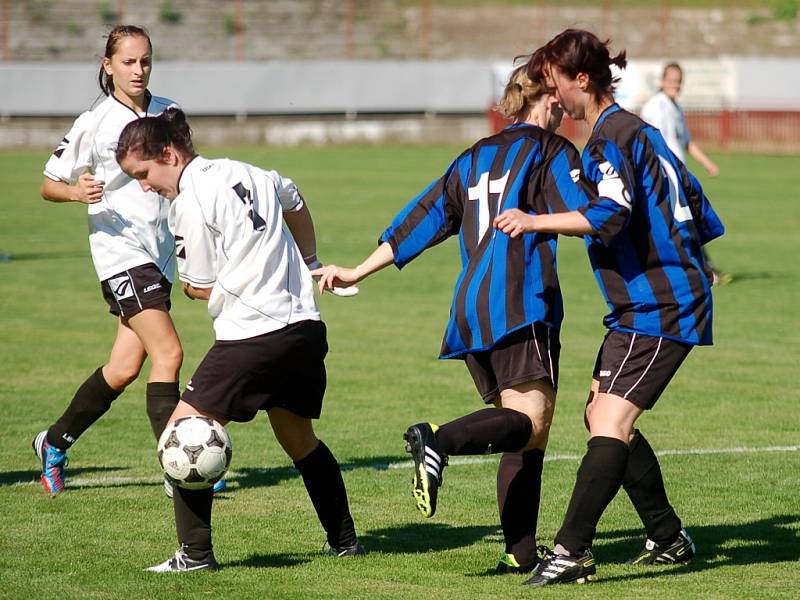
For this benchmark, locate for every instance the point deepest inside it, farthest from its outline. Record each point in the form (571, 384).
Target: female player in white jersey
(132, 249)
(270, 346)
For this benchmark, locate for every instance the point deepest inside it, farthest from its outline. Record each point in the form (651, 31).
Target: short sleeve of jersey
(430, 218)
(288, 194)
(73, 157)
(565, 187)
(195, 243)
(607, 169)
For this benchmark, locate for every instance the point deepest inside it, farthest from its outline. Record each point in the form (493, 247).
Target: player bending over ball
(506, 309)
(270, 345)
(132, 249)
(645, 230)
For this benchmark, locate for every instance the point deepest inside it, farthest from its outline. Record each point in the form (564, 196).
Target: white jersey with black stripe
(230, 237)
(128, 227)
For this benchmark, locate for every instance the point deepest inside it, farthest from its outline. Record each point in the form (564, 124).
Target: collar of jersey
(147, 97)
(183, 171)
(608, 111)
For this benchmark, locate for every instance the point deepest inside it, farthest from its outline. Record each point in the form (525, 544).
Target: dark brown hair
(112, 43)
(147, 137)
(576, 51)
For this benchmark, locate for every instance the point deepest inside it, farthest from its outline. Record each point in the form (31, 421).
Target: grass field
(737, 400)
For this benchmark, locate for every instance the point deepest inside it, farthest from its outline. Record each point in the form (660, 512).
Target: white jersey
(667, 116)
(228, 226)
(128, 227)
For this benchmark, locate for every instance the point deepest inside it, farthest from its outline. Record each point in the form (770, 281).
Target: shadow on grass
(424, 537)
(771, 540)
(269, 561)
(20, 256)
(250, 477)
(10, 478)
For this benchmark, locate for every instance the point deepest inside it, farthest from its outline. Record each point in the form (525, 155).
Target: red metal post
(425, 29)
(349, 16)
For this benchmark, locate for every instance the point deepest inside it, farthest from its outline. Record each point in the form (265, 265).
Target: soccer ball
(194, 452)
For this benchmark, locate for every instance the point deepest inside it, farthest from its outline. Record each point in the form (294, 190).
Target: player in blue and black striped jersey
(506, 309)
(644, 234)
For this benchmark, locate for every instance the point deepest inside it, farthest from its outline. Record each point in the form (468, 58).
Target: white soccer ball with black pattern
(194, 452)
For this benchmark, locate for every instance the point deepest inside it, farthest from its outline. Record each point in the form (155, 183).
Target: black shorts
(638, 367)
(283, 368)
(527, 354)
(130, 292)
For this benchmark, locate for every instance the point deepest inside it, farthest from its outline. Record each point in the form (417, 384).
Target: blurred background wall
(319, 71)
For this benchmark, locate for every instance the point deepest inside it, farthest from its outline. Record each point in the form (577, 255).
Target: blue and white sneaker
(218, 487)
(181, 563)
(53, 462)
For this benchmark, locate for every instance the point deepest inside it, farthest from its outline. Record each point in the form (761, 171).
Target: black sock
(485, 432)
(519, 487)
(598, 481)
(91, 401)
(323, 480)
(162, 398)
(193, 521)
(645, 487)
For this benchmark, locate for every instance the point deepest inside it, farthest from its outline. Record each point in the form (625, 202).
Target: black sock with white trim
(91, 401)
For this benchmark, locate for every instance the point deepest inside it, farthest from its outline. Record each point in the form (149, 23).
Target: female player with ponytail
(645, 229)
(132, 249)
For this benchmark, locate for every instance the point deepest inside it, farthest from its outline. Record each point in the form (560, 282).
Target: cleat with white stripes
(181, 563)
(429, 463)
(678, 552)
(561, 568)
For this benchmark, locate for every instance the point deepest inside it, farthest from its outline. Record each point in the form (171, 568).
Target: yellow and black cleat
(429, 463)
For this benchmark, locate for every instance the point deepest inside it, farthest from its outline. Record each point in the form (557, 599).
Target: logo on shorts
(150, 288)
(121, 287)
(189, 386)
(605, 373)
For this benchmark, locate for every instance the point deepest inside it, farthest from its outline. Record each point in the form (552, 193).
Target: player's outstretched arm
(701, 157)
(333, 276)
(87, 190)
(514, 222)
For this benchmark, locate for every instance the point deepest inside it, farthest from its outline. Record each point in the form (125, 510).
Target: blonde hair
(520, 95)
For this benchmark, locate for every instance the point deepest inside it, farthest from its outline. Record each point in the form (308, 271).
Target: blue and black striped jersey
(505, 283)
(651, 217)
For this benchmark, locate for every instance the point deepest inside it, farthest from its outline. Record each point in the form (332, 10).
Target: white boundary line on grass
(407, 464)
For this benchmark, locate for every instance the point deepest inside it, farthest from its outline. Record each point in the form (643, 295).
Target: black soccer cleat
(343, 551)
(679, 551)
(560, 568)
(508, 564)
(181, 563)
(429, 463)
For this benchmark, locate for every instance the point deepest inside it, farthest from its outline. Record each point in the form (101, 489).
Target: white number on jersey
(679, 211)
(482, 192)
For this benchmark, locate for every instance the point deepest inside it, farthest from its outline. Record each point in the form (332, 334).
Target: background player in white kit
(664, 113)
(270, 346)
(132, 249)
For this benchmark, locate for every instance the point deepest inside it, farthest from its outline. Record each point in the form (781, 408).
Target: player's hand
(514, 222)
(88, 189)
(713, 170)
(337, 280)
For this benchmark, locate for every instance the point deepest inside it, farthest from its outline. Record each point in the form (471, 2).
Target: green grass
(93, 540)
